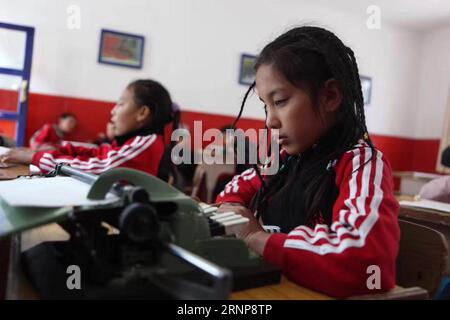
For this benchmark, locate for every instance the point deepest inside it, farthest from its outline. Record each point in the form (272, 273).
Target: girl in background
(138, 119)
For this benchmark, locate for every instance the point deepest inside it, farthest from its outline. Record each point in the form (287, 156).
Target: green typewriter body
(163, 240)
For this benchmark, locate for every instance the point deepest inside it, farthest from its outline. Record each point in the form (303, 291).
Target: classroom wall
(434, 83)
(193, 47)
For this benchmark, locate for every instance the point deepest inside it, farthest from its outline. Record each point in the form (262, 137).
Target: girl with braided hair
(332, 198)
(138, 119)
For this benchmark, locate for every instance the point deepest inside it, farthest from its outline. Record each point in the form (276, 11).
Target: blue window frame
(20, 116)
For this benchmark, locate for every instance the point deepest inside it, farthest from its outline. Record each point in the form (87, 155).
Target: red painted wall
(407, 154)
(404, 154)
(92, 115)
(8, 128)
(9, 100)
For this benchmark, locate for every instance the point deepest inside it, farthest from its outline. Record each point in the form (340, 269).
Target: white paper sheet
(427, 204)
(48, 192)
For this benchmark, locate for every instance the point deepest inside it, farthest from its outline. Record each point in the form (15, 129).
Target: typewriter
(152, 242)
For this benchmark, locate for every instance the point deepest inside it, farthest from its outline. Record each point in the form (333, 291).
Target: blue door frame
(22, 110)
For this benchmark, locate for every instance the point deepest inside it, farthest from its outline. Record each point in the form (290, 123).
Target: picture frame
(121, 49)
(366, 87)
(247, 70)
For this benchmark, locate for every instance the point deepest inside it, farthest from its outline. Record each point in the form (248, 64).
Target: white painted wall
(193, 47)
(433, 83)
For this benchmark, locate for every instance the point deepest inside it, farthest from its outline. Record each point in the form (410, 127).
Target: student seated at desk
(230, 143)
(445, 157)
(51, 135)
(437, 190)
(139, 117)
(107, 136)
(332, 197)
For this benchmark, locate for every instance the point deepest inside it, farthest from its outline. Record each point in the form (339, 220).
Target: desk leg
(13, 283)
(14, 268)
(5, 246)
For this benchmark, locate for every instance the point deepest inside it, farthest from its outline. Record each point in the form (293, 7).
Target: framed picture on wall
(247, 70)
(366, 87)
(122, 49)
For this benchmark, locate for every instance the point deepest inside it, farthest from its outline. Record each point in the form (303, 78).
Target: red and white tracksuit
(48, 135)
(341, 259)
(139, 152)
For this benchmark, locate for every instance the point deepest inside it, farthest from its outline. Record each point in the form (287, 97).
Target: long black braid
(309, 56)
(233, 126)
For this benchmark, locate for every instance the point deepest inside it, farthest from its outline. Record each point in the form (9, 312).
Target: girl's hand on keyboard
(253, 225)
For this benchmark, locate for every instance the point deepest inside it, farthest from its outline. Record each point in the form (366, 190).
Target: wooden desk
(13, 172)
(411, 182)
(285, 290)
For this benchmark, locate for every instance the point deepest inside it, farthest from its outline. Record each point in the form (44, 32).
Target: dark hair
(445, 157)
(307, 57)
(226, 127)
(66, 115)
(153, 95)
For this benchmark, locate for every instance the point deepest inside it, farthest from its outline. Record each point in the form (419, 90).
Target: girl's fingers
(235, 209)
(225, 208)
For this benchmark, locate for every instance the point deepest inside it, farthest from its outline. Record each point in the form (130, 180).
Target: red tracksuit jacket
(47, 135)
(364, 232)
(140, 152)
